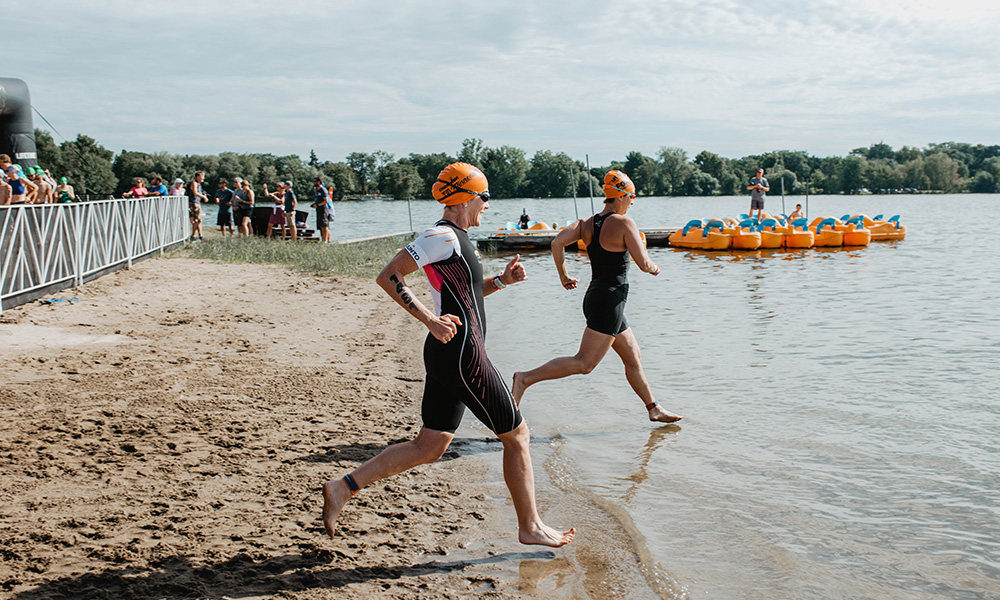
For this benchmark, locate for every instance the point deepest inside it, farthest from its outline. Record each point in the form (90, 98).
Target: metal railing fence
(45, 248)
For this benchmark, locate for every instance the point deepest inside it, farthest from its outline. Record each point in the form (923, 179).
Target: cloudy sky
(581, 76)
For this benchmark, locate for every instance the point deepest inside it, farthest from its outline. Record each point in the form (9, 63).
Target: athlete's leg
(520, 478)
(627, 348)
(427, 447)
(593, 347)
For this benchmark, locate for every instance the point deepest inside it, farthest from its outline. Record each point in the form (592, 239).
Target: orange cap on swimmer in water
(617, 184)
(458, 183)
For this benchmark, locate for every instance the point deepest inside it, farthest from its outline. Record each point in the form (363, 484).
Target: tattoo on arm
(404, 293)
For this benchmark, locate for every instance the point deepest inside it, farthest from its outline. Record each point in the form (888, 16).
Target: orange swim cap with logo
(458, 183)
(617, 184)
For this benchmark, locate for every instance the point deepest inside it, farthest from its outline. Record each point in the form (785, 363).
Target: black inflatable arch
(17, 134)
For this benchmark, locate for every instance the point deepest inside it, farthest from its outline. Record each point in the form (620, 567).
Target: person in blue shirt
(156, 188)
(224, 198)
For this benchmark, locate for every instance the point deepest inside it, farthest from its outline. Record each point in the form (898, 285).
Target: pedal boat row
(777, 232)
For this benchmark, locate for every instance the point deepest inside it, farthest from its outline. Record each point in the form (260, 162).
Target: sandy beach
(166, 436)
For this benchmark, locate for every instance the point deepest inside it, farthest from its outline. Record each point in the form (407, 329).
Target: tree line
(949, 167)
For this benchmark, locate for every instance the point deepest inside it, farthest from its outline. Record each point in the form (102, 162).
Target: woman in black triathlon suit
(459, 374)
(610, 238)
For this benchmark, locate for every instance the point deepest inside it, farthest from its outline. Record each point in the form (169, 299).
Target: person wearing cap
(459, 374)
(290, 203)
(64, 191)
(156, 187)
(611, 238)
(43, 195)
(22, 189)
(758, 189)
(177, 189)
(523, 222)
(321, 202)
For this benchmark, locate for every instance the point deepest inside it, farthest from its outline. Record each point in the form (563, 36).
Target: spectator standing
(196, 196)
(244, 212)
(224, 198)
(156, 187)
(758, 189)
(278, 213)
(138, 190)
(322, 205)
(290, 203)
(178, 188)
(523, 221)
(64, 191)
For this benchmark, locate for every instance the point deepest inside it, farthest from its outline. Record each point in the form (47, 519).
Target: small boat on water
(700, 235)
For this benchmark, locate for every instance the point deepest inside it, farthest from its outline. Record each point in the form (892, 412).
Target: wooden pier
(542, 239)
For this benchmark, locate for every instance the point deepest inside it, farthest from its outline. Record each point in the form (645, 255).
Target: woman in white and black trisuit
(459, 373)
(610, 238)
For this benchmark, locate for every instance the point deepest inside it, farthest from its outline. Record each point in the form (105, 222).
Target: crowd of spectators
(35, 185)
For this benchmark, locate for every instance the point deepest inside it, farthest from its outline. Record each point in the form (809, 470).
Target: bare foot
(543, 535)
(335, 496)
(518, 388)
(657, 413)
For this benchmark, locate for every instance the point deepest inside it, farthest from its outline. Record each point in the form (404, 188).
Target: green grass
(361, 259)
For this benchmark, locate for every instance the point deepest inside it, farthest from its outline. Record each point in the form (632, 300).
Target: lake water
(842, 407)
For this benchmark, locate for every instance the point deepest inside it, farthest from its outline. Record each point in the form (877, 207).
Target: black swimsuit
(604, 303)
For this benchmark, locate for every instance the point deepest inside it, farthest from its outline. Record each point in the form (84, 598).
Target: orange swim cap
(458, 183)
(617, 184)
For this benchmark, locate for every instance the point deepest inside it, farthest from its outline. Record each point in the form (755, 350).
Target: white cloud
(731, 76)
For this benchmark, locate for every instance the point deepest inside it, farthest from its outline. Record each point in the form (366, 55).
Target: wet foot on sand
(543, 535)
(657, 413)
(335, 496)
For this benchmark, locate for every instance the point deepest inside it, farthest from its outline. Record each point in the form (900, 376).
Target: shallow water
(840, 406)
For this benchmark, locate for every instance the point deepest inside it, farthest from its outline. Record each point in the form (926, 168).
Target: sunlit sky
(584, 77)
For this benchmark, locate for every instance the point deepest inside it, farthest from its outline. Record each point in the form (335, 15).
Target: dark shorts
(604, 309)
(194, 212)
(756, 203)
(225, 218)
(321, 221)
(243, 213)
(460, 377)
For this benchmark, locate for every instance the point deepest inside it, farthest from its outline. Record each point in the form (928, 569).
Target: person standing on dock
(459, 374)
(610, 238)
(525, 219)
(758, 189)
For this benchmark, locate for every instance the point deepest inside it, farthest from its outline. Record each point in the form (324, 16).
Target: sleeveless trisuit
(459, 373)
(604, 303)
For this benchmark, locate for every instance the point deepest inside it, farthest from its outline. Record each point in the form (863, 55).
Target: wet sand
(167, 435)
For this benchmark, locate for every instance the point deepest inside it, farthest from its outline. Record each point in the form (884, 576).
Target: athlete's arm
(391, 279)
(565, 237)
(637, 249)
(32, 190)
(513, 273)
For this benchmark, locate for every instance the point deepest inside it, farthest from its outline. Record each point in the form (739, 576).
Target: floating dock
(542, 240)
